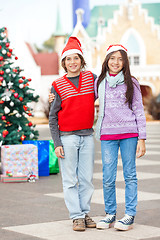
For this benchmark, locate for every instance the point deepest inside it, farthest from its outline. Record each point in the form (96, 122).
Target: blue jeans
(109, 160)
(77, 173)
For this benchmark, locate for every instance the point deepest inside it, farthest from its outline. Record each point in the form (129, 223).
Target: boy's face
(73, 65)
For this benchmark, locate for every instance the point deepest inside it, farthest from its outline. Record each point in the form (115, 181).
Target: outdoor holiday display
(15, 98)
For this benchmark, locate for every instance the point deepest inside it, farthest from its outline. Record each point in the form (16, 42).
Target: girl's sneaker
(124, 224)
(107, 222)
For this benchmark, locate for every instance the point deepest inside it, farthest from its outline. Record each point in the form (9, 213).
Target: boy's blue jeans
(77, 173)
(109, 160)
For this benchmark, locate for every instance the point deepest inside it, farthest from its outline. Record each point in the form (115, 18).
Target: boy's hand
(59, 152)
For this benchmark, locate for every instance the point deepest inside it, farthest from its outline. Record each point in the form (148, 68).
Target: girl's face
(73, 65)
(115, 63)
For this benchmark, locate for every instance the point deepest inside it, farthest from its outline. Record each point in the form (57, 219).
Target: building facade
(133, 25)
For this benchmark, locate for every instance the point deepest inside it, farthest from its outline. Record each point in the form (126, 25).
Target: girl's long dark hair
(127, 76)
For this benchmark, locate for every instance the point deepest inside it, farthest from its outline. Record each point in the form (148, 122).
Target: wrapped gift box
(14, 179)
(53, 159)
(47, 160)
(43, 155)
(19, 159)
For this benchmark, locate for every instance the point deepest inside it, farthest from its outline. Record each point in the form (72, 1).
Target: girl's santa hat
(73, 46)
(115, 47)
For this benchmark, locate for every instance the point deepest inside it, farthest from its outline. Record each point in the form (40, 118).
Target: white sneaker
(107, 222)
(124, 224)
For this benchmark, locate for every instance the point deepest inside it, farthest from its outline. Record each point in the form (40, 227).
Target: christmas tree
(15, 98)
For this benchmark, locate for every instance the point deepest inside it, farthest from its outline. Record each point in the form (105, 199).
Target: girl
(71, 121)
(121, 124)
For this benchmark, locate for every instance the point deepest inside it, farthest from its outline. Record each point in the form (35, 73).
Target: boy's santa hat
(73, 46)
(115, 47)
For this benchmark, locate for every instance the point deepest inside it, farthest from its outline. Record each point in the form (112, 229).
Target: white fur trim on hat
(71, 51)
(114, 48)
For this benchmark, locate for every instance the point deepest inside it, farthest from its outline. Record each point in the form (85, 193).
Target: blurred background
(38, 31)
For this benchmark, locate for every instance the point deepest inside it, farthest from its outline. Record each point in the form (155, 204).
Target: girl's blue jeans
(77, 173)
(109, 160)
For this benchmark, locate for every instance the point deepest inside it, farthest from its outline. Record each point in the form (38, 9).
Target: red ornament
(14, 70)
(29, 124)
(20, 81)
(25, 108)
(16, 95)
(1, 101)
(1, 79)
(29, 79)
(21, 99)
(23, 137)
(23, 77)
(0, 46)
(5, 133)
(29, 114)
(16, 58)
(7, 44)
(9, 54)
(1, 58)
(3, 117)
(10, 50)
(1, 72)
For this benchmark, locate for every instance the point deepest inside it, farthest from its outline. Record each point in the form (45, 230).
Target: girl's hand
(141, 148)
(59, 152)
(51, 97)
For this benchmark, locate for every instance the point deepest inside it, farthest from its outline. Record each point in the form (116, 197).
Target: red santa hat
(115, 47)
(73, 46)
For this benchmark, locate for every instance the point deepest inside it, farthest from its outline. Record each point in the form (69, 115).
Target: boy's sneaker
(89, 222)
(107, 222)
(79, 224)
(125, 223)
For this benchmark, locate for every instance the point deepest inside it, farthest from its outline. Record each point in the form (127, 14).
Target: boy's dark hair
(127, 75)
(83, 63)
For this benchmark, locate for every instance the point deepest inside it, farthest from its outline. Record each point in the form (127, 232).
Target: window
(134, 60)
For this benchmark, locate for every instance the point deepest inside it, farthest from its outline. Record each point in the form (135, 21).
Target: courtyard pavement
(30, 211)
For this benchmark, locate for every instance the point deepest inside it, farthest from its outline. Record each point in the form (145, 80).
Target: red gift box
(14, 178)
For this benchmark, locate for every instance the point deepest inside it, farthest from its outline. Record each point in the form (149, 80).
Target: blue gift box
(43, 155)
